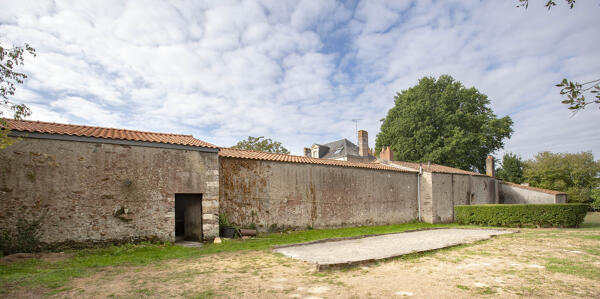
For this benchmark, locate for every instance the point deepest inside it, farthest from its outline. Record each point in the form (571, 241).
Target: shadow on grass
(592, 220)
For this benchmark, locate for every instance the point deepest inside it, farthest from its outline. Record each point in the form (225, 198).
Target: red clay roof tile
(256, 155)
(107, 133)
(435, 168)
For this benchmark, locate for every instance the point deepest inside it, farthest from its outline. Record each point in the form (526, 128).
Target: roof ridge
(277, 157)
(256, 151)
(36, 126)
(96, 127)
(543, 190)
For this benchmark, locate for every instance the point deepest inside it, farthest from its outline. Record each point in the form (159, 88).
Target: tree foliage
(511, 168)
(443, 122)
(574, 174)
(595, 195)
(576, 93)
(10, 58)
(261, 144)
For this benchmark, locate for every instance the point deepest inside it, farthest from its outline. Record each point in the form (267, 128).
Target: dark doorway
(188, 217)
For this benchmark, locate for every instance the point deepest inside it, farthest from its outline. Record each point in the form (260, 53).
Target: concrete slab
(190, 244)
(379, 247)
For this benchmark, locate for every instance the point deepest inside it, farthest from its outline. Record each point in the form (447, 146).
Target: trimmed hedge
(522, 215)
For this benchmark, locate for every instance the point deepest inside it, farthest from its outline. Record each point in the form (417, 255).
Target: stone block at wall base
(210, 231)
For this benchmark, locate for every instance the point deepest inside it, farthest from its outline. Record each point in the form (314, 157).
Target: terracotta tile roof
(435, 168)
(256, 155)
(108, 133)
(533, 188)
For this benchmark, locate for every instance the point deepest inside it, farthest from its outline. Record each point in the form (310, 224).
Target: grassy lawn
(146, 267)
(54, 275)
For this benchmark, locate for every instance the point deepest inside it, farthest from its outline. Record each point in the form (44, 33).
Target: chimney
(363, 143)
(307, 152)
(386, 153)
(489, 166)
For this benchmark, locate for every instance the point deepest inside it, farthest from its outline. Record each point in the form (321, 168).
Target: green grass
(54, 275)
(592, 220)
(38, 273)
(568, 266)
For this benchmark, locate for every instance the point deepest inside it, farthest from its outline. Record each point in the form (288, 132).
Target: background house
(343, 150)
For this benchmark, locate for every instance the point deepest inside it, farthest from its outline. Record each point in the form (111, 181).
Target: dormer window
(315, 152)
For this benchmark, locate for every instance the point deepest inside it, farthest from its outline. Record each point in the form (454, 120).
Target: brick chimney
(307, 152)
(386, 153)
(363, 143)
(489, 166)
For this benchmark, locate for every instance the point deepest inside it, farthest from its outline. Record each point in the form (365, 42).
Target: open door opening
(188, 217)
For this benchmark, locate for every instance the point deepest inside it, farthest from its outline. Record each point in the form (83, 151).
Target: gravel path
(384, 246)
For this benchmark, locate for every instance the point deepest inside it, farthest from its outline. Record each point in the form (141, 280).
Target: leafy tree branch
(10, 59)
(575, 91)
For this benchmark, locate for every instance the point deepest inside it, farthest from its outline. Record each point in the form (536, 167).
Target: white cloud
(299, 72)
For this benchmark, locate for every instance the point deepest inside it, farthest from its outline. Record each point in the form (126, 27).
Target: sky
(299, 72)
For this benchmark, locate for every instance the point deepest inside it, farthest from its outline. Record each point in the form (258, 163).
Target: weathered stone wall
(481, 186)
(443, 194)
(448, 190)
(426, 187)
(510, 194)
(96, 192)
(269, 194)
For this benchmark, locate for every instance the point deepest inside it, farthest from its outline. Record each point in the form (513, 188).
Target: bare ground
(534, 263)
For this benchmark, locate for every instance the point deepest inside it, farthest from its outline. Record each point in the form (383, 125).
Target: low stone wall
(514, 194)
(272, 195)
(95, 192)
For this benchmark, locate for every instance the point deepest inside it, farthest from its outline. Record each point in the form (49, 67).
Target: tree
(9, 77)
(443, 122)
(595, 195)
(574, 174)
(576, 92)
(261, 144)
(511, 168)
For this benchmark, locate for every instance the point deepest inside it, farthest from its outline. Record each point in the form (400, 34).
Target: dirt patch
(46, 256)
(527, 264)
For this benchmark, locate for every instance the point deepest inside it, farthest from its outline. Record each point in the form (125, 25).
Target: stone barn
(90, 185)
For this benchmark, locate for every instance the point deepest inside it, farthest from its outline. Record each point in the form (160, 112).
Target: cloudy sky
(300, 71)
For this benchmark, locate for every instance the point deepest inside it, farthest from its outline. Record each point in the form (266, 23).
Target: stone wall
(442, 191)
(483, 190)
(272, 194)
(511, 194)
(94, 192)
(426, 187)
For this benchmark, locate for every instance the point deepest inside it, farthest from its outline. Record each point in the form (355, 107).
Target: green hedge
(522, 215)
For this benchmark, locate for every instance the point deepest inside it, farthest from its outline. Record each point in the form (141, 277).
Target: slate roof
(107, 133)
(340, 148)
(256, 155)
(534, 188)
(436, 168)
